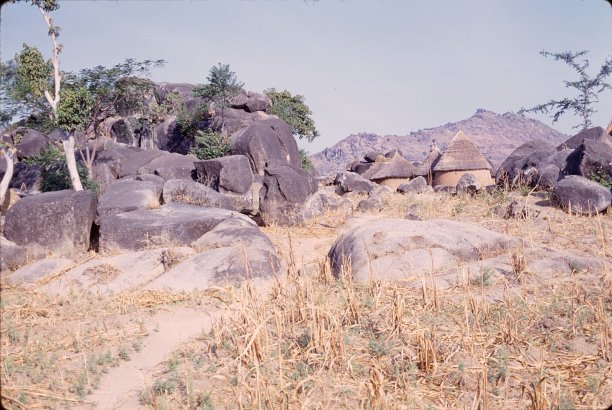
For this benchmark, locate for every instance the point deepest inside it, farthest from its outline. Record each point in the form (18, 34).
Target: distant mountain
(496, 135)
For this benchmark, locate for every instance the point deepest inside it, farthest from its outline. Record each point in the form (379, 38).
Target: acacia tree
(35, 75)
(588, 89)
(222, 86)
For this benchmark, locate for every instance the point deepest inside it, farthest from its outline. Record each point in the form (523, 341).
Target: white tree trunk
(9, 155)
(68, 144)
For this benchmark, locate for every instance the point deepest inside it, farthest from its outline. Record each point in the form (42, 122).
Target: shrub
(305, 161)
(55, 176)
(209, 145)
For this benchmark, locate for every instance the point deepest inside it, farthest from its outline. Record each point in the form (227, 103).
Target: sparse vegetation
(496, 338)
(210, 144)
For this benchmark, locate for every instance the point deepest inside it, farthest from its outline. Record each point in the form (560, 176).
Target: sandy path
(167, 332)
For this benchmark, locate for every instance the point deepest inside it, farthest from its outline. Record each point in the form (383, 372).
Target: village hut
(425, 168)
(390, 172)
(461, 157)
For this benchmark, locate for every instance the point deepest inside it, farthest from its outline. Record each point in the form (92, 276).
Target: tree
(113, 90)
(222, 86)
(293, 110)
(34, 75)
(588, 89)
(8, 152)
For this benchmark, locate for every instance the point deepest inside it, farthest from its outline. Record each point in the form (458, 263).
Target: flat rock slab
(114, 274)
(392, 249)
(221, 265)
(171, 225)
(231, 252)
(39, 270)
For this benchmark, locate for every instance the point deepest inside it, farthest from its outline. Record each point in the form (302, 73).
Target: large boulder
(325, 201)
(417, 185)
(266, 141)
(173, 224)
(31, 142)
(226, 174)
(577, 140)
(580, 195)
(11, 255)
(352, 182)
(171, 166)
(194, 193)
(592, 159)
(530, 156)
(27, 177)
(392, 249)
(251, 102)
(127, 195)
(231, 251)
(285, 189)
(135, 159)
(468, 183)
(58, 222)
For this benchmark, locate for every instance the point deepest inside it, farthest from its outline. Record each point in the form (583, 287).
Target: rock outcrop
(58, 222)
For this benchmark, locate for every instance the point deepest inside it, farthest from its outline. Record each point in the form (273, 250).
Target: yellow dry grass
(311, 340)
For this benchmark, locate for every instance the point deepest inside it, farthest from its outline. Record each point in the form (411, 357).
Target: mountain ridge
(495, 135)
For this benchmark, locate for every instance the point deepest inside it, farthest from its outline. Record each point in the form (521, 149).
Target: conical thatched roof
(429, 162)
(461, 155)
(396, 167)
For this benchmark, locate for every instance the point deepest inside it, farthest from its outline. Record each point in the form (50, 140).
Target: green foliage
(293, 110)
(33, 72)
(599, 176)
(222, 84)
(55, 176)
(209, 145)
(74, 109)
(305, 160)
(588, 89)
(187, 122)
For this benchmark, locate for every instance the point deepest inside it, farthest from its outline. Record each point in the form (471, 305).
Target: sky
(380, 66)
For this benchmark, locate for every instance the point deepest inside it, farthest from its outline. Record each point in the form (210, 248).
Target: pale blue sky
(382, 66)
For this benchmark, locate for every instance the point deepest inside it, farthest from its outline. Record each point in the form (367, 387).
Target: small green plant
(204, 402)
(305, 160)
(123, 353)
(599, 176)
(209, 145)
(379, 347)
(498, 366)
(484, 277)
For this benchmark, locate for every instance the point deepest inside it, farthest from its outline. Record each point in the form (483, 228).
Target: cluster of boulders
(154, 198)
(575, 172)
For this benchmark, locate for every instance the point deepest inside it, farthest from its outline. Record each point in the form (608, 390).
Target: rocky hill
(496, 135)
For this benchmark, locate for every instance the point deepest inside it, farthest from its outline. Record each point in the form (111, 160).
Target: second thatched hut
(461, 157)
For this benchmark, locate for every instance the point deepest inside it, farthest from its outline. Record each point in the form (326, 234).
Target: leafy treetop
(293, 110)
(222, 86)
(588, 89)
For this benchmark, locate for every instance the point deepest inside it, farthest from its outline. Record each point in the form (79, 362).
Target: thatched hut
(391, 172)
(425, 168)
(461, 157)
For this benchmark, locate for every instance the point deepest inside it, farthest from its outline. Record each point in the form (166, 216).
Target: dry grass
(310, 340)
(318, 342)
(56, 349)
